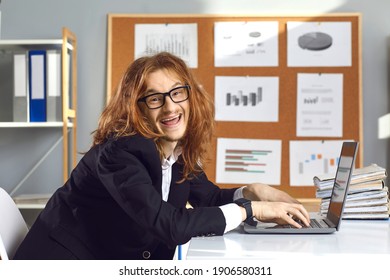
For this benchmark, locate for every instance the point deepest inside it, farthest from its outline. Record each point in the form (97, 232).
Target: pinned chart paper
(320, 105)
(178, 39)
(319, 44)
(251, 99)
(312, 158)
(246, 44)
(245, 161)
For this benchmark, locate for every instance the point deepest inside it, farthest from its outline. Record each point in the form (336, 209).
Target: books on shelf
(368, 195)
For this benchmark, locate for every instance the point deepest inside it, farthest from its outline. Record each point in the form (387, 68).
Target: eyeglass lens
(157, 100)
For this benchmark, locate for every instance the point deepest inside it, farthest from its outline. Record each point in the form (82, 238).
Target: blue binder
(37, 85)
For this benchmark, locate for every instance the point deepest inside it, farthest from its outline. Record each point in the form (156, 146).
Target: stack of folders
(367, 197)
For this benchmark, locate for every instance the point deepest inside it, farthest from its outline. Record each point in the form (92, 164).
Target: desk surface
(354, 237)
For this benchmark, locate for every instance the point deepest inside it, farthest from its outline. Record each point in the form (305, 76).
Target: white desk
(354, 237)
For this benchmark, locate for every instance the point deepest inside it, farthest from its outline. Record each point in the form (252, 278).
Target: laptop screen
(341, 182)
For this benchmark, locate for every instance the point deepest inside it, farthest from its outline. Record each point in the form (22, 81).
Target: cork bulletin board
(121, 48)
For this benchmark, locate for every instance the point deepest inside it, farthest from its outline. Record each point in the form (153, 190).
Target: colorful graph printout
(245, 161)
(312, 158)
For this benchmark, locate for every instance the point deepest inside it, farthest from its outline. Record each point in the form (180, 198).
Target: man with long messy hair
(123, 116)
(127, 197)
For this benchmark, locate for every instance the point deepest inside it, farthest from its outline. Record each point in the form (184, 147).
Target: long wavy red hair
(123, 115)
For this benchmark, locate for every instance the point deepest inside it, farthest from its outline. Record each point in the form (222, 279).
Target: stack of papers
(367, 196)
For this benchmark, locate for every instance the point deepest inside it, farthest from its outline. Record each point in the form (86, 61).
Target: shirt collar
(167, 163)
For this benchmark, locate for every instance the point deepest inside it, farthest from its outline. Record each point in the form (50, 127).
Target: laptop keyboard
(318, 223)
(314, 223)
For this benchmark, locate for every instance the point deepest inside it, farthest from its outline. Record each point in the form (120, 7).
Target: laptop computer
(318, 223)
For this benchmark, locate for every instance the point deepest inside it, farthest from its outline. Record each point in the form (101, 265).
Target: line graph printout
(245, 161)
(312, 158)
(251, 99)
(178, 39)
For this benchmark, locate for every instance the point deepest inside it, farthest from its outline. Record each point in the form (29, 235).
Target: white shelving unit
(32, 124)
(68, 48)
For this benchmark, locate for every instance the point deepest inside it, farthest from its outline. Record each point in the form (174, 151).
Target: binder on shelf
(37, 85)
(20, 99)
(54, 101)
(6, 86)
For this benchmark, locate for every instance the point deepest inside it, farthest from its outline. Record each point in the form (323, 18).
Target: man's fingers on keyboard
(300, 218)
(293, 221)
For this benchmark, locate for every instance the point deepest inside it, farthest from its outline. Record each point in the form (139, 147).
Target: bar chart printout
(312, 158)
(244, 161)
(249, 99)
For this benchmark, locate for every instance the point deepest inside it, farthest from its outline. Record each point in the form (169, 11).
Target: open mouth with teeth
(171, 121)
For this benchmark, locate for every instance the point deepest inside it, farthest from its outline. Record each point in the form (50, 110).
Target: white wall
(41, 19)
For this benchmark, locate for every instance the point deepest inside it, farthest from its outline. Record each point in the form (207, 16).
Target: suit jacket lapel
(178, 194)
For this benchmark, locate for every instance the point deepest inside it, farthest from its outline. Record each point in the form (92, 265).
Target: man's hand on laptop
(263, 192)
(281, 213)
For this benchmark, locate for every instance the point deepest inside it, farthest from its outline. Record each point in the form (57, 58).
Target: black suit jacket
(111, 208)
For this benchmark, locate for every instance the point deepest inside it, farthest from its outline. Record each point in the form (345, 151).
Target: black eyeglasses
(157, 100)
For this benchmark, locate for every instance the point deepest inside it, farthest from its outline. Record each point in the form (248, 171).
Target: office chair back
(13, 228)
